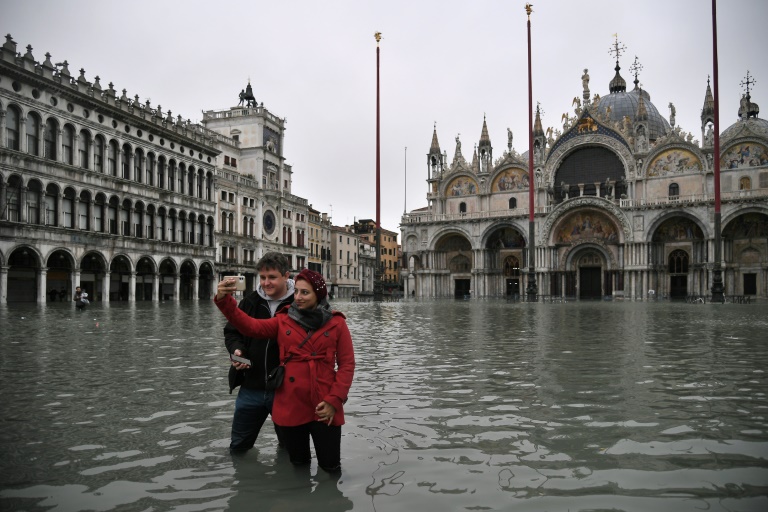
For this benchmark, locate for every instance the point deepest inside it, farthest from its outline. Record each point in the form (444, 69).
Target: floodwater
(456, 405)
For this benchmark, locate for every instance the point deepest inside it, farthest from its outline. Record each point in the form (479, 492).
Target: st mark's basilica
(624, 205)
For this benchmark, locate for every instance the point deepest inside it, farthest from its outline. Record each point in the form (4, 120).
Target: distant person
(52, 294)
(316, 349)
(62, 294)
(254, 402)
(81, 298)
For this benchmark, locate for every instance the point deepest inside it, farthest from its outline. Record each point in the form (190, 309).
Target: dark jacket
(263, 353)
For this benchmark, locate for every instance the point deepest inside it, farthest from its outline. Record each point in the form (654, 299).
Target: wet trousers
(326, 439)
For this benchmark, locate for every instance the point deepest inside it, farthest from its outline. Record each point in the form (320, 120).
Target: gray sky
(443, 61)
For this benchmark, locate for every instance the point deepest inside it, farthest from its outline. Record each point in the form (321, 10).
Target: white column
(132, 287)
(41, 285)
(105, 292)
(155, 287)
(176, 287)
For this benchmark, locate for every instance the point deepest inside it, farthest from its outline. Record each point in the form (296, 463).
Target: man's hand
(239, 366)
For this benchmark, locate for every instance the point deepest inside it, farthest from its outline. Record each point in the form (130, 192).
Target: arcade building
(99, 190)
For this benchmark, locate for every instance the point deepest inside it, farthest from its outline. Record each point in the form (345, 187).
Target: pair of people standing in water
(315, 346)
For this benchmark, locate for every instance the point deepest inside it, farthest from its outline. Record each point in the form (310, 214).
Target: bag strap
(309, 335)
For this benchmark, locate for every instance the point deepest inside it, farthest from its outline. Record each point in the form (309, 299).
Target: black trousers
(326, 439)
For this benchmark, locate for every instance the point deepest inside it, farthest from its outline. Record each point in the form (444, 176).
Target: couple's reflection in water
(270, 483)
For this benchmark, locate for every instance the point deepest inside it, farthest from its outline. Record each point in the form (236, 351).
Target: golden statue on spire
(529, 9)
(377, 35)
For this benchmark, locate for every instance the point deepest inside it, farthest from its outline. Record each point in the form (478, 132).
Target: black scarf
(311, 319)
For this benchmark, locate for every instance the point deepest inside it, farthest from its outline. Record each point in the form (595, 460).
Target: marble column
(107, 283)
(42, 283)
(4, 284)
(132, 287)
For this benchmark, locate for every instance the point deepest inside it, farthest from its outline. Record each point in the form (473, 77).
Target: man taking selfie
(254, 401)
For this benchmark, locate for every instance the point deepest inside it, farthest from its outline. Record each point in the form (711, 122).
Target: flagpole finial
(529, 10)
(377, 35)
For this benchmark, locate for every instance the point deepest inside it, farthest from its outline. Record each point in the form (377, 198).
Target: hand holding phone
(239, 282)
(238, 359)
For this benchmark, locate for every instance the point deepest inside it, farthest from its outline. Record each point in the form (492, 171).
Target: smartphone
(239, 282)
(239, 359)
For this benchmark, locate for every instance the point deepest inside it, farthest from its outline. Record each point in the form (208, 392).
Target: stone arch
(653, 228)
(205, 281)
(445, 231)
(568, 147)
(24, 264)
(120, 269)
(673, 159)
(187, 272)
(463, 184)
(596, 203)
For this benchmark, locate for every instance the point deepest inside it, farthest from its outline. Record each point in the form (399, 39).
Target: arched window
(674, 191)
(199, 185)
(98, 154)
(51, 205)
(172, 175)
(191, 181)
(678, 262)
(112, 158)
(745, 183)
(68, 208)
(138, 158)
(126, 164)
(12, 200)
(68, 144)
(245, 226)
(150, 169)
(12, 127)
(182, 174)
(512, 203)
(33, 134)
(462, 207)
(84, 148)
(51, 131)
(161, 172)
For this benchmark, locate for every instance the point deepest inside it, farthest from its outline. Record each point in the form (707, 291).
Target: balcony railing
(415, 218)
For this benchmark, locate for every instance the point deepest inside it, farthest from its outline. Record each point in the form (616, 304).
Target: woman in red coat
(315, 342)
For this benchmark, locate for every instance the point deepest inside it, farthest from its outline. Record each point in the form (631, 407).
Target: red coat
(311, 375)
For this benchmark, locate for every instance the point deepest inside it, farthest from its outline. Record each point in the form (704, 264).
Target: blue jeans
(251, 410)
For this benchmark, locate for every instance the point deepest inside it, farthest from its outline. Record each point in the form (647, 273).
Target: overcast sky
(442, 61)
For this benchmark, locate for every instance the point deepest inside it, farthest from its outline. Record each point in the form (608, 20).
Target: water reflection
(455, 406)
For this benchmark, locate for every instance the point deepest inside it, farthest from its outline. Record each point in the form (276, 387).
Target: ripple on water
(463, 405)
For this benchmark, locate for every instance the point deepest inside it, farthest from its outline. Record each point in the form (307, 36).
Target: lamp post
(717, 272)
(531, 289)
(377, 289)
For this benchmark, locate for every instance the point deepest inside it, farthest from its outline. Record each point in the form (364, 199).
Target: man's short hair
(274, 260)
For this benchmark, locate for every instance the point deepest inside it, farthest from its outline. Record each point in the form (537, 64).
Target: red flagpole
(531, 289)
(718, 289)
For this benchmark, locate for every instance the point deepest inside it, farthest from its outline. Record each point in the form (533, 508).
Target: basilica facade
(624, 204)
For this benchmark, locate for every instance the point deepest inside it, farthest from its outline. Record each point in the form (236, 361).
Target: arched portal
(745, 254)
(23, 271)
(186, 275)
(453, 252)
(167, 279)
(59, 276)
(93, 270)
(145, 278)
(585, 278)
(119, 279)
(205, 285)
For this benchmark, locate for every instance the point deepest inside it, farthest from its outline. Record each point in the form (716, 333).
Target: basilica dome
(756, 125)
(623, 103)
